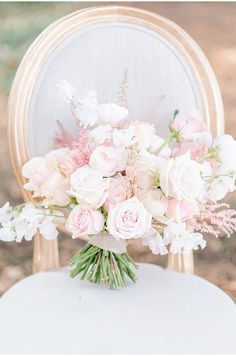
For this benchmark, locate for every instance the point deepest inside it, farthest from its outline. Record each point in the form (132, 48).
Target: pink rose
(182, 210)
(196, 150)
(119, 190)
(189, 125)
(83, 221)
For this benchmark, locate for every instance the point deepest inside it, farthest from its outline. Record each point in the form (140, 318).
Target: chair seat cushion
(164, 312)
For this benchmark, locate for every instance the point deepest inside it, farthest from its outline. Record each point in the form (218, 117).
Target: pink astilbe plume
(216, 219)
(63, 139)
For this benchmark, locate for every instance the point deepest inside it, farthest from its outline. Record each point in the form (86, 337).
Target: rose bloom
(83, 221)
(180, 178)
(182, 210)
(128, 219)
(119, 190)
(190, 125)
(89, 187)
(45, 178)
(108, 159)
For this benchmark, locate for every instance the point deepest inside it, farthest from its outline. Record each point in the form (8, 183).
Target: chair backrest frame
(46, 253)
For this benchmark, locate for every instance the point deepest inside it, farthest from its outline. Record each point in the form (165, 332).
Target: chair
(164, 70)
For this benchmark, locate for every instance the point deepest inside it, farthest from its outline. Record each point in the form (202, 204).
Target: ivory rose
(83, 221)
(45, 178)
(190, 125)
(119, 190)
(89, 187)
(182, 210)
(180, 178)
(128, 219)
(108, 159)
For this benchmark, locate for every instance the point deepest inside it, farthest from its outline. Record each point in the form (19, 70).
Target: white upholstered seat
(165, 312)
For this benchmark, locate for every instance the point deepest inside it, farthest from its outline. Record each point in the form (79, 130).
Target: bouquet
(116, 179)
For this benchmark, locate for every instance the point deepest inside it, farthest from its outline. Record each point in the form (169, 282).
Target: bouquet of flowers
(116, 179)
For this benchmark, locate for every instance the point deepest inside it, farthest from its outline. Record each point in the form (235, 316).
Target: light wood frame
(46, 252)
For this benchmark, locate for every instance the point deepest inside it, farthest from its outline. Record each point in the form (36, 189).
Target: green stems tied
(100, 266)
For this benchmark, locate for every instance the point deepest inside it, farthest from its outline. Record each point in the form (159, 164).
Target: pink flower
(119, 190)
(182, 210)
(196, 150)
(77, 158)
(83, 221)
(189, 125)
(108, 159)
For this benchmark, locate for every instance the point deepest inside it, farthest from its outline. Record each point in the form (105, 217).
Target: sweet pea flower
(111, 114)
(143, 133)
(89, 187)
(196, 150)
(108, 159)
(189, 126)
(128, 219)
(154, 201)
(83, 221)
(182, 240)
(181, 210)
(155, 242)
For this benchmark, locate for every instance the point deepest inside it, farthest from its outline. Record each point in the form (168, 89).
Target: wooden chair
(166, 70)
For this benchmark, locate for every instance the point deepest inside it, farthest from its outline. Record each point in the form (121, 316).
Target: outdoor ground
(212, 25)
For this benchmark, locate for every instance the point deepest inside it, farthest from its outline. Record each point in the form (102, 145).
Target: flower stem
(171, 138)
(101, 266)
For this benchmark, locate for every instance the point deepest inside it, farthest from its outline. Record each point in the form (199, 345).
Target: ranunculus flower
(119, 190)
(108, 159)
(181, 210)
(83, 221)
(180, 178)
(111, 114)
(89, 187)
(45, 177)
(189, 125)
(128, 219)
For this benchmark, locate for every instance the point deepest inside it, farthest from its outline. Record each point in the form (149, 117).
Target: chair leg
(46, 255)
(181, 262)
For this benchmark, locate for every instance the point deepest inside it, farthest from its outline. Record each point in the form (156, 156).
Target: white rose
(111, 113)
(89, 187)
(180, 178)
(128, 219)
(108, 160)
(182, 240)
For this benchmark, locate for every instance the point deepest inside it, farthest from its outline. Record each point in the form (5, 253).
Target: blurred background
(212, 25)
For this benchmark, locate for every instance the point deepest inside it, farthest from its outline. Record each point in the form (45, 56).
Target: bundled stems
(101, 266)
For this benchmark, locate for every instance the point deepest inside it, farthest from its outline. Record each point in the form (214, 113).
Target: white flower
(87, 108)
(180, 178)
(156, 142)
(154, 201)
(155, 243)
(227, 149)
(223, 183)
(182, 240)
(6, 213)
(7, 232)
(45, 178)
(108, 159)
(143, 134)
(89, 187)
(123, 137)
(128, 219)
(111, 114)
(68, 91)
(101, 133)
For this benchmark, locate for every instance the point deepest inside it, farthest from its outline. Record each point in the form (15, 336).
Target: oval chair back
(128, 55)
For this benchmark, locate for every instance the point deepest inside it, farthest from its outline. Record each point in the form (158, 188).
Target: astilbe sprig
(216, 219)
